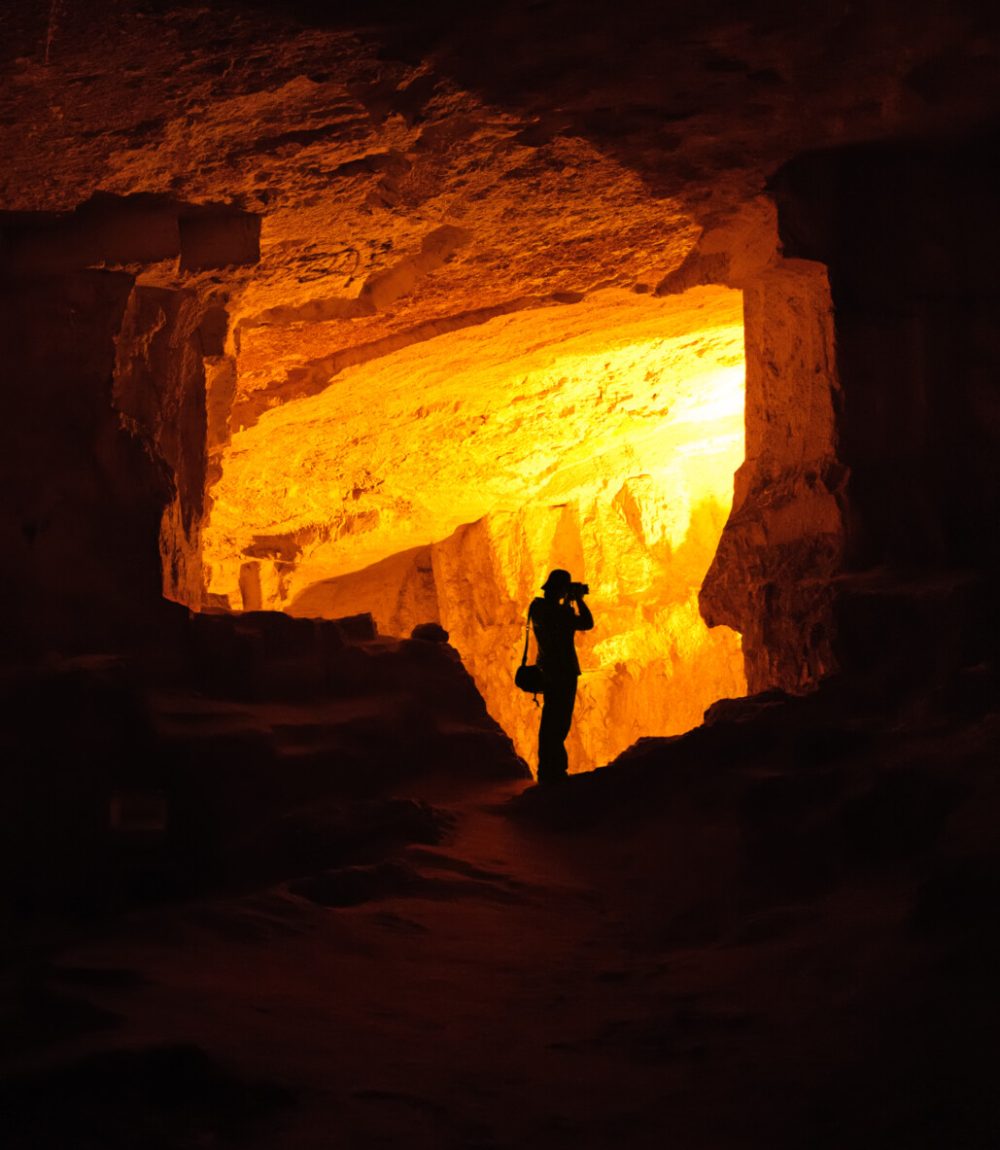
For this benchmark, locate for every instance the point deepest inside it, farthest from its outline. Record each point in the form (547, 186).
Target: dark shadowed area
(327, 331)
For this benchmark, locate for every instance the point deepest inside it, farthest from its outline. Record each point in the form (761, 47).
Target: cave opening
(439, 483)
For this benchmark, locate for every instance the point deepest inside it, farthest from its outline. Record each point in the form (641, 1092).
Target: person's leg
(547, 767)
(557, 717)
(561, 723)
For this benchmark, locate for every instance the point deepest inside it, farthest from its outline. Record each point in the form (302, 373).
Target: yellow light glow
(443, 481)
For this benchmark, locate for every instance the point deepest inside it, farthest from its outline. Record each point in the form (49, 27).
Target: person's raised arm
(584, 619)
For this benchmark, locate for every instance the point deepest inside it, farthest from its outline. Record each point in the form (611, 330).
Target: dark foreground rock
(269, 741)
(161, 1097)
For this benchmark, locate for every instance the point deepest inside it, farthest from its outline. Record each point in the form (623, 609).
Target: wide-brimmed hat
(557, 578)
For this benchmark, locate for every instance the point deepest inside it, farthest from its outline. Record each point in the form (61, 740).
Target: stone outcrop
(129, 230)
(129, 447)
(267, 744)
(159, 391)
(772, 578)
(907, 234)
(540, 407)
(367, 308)
(601, 436)
(83, 499)
(256, 235)
(650, 667)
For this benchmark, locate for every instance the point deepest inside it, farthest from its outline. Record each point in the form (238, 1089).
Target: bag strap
(524, 657)
(527, 636)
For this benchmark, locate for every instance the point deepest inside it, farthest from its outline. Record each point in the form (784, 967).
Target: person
(555, 620)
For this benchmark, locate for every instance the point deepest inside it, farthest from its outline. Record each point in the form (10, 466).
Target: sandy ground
(547, 975)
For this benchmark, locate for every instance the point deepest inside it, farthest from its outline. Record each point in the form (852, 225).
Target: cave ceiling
(546, 407)
(419, 173)
(414, 166)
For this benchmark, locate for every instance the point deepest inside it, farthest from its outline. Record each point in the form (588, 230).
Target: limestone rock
(430, 633)
(316, 253)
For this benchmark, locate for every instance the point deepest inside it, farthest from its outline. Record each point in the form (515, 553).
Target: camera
(578, 590)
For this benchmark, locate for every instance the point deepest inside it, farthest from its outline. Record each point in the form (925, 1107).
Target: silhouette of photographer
(555, 619)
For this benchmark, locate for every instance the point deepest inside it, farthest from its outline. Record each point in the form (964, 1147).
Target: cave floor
(535, 978)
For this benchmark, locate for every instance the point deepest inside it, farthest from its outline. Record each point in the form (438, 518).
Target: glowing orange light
(443, 481)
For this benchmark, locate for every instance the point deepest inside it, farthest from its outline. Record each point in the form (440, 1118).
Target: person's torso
(555, 631)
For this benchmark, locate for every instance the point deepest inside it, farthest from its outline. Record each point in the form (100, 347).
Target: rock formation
(601, 437)
(335, 251)
(324, 325)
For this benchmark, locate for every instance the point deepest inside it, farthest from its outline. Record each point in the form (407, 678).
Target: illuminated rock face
(260, 233)
(442, 483)
(650, 666)
(773, 576)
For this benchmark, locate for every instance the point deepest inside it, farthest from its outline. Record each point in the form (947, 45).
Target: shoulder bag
(529, 677)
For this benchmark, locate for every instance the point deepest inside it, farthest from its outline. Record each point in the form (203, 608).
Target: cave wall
(650, 667)
(83, 498)
(782, 545)
(872, 417)
(105, 440)
(160, 391)
(910, 236)
(863, 532)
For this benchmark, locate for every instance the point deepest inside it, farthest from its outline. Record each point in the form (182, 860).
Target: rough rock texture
(159, 390)
(607, 448)
(266, 741)
(915, 296)
(600, 436)
(771, 578)
(778, 931)
(650, 667)
(135, 228)
(907, 235)
(82, 499)
(337, 189)
(133, 369)
(542, 407)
